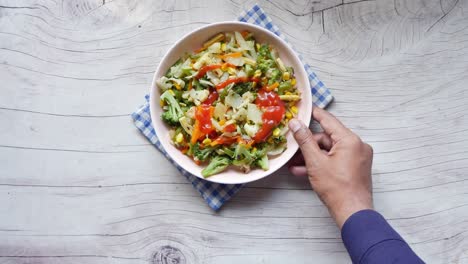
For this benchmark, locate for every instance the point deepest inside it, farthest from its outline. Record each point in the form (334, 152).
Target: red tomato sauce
(211, 98)
(203, 114)
(273, 113)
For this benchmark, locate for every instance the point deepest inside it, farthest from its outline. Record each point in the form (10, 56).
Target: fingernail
(294, 125)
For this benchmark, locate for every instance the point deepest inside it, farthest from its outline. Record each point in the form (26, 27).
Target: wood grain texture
(78, 184)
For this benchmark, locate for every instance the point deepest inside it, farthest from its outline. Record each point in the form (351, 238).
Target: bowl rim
(152, 102)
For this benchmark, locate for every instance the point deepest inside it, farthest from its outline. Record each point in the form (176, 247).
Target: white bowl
(195, 40)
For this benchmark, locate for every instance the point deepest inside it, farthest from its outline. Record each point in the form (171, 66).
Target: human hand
(337, 163)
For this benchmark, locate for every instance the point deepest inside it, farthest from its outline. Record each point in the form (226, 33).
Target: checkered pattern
(216, 194)
(321, 96)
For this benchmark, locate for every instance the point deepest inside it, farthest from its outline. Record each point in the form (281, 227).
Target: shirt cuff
(364, 229)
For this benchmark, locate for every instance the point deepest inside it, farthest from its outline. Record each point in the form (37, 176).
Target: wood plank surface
(79, 184)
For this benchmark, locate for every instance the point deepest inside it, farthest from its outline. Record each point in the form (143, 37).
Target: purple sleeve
(370, 239)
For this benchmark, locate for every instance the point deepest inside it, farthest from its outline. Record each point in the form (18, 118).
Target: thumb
(305, 139)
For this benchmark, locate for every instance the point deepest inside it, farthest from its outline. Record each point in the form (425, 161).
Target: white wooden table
(79, 184)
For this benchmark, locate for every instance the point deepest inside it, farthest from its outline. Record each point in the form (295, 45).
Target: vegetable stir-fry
(228, 103)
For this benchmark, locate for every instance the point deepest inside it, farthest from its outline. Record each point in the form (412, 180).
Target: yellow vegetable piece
(216, 38)
(257, 73)
(222, 122)
(293, 81)
(276, 132)
(231, 70)
(179, 138)
(291, 97)
(286, 76)
(206, 141)
(171, 92)
(223, 47)
(250, 61)
(294, 109)
(162, 103)
(288, 115)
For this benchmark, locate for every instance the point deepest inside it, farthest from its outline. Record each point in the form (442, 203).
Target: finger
(305, 139)
(324, 141)
(298, 171)
(330, 124)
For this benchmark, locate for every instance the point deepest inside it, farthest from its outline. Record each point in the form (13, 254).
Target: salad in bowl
(227, 104)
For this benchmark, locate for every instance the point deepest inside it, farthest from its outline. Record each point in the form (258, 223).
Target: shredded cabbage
(251, 130)
(233, 100)
(254, 114)
(219, 111)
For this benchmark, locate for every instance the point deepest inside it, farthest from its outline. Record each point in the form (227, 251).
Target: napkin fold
(216, 194)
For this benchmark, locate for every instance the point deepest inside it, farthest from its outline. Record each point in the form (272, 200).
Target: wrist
(342, 209)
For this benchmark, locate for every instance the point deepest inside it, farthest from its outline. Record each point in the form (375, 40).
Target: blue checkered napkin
(216, 194)
(321, 96)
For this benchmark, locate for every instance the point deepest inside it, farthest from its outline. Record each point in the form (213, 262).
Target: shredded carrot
(271, 87)
(223, 140)
(196, 132)
(231, 55)
(245, 33)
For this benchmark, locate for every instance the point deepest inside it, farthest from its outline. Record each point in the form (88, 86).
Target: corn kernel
(254, 149)
(270, 140)
(288, 115)
(223, 47)
(288, 93)
(294, 109)
(286, 76)
(276, 132)
(222, 122)
(171, 92)
(258, 46)
(293, 81)
(206, 141)
(161, 102)
(179, 138)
